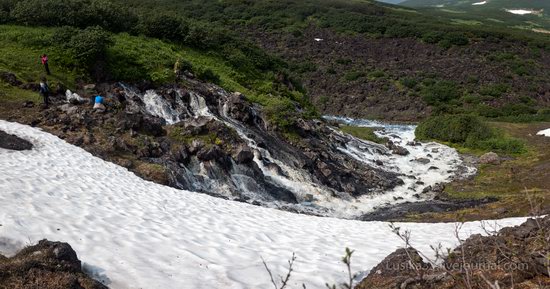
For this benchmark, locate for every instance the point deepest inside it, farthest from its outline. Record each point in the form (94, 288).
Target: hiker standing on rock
(45, 92)
(44, 59)
(177, 69)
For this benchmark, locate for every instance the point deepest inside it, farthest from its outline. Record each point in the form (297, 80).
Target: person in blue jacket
(98, 103)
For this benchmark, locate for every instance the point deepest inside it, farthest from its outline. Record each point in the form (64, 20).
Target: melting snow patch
(318, 39)
(139, 234)
(480, 3)
(545, 132)
(520, 11)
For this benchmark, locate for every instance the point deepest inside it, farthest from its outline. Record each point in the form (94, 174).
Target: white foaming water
(444, 163)
(298, 182)
(545, 132)
(158, 106)
(132, 233)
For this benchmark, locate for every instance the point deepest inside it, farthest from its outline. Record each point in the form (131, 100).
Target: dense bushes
(455, 129)
(436, 92)
(467, 131)
(78, 13)
(86, 46)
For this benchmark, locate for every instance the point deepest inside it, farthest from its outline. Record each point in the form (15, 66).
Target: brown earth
(515, 257)
(383, 62)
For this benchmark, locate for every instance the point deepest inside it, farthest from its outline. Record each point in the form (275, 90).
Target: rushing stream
(426, 165)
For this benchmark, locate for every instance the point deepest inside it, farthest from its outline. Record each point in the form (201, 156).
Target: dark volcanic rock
(47, 265)
(11, 142)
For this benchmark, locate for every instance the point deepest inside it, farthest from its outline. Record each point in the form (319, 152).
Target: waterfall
(441, 165)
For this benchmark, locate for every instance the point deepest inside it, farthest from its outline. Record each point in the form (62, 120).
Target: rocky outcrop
(47, 265)
(11, 142)
(515, 257)
(489, 158)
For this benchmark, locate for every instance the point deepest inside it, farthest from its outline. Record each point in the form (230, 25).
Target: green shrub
(281, 112)
(207, 75)
(494, 90)
(377, 73)
(441, 91)
(409, 82)
(467, 131)
(433, 37)
(457, 38)
(453, 128)
(354, 75)
(87, 46)
(164, 26)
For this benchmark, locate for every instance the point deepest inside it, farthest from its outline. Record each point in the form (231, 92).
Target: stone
(10, 78)
(27, 104)
(209, 153)
(244, 155)
(69, 109)
(490, 158)
(396, 149)
(422, 160)
(12, 142)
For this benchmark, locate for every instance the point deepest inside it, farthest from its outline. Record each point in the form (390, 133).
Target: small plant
(286, 278)
(347, 261)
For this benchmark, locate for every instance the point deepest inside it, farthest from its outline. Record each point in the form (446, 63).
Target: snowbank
(137, 234)
(545, 132)
(520, 11)
(479, 3)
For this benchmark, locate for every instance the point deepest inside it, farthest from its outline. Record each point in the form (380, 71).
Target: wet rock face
(48, 265)
(11, 142)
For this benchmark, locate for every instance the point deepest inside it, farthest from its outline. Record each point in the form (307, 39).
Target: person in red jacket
(44, 59)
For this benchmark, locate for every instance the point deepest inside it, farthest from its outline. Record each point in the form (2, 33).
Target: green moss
(366, 133)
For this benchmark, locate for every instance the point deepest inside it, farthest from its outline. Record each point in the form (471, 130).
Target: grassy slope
(366, 133)
(131, 57)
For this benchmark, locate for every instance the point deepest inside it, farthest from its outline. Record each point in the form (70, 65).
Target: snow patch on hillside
(545, 132)
(133, 233)
(521, 11)
(479, 3)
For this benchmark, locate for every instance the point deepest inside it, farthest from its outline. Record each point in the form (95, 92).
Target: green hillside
(531, 15)
(266, 49)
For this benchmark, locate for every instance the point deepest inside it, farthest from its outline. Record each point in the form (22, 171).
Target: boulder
(422, 160)
(69, 109)
(209, 153)
(490, 158)
(47, 265)
(243, 155)
(12, 142)
(396, 149)
(10, 78)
